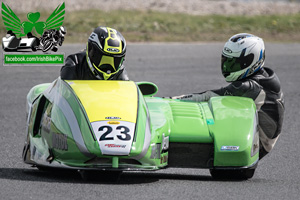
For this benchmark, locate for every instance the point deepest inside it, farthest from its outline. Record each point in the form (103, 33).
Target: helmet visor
(113, 43)
(107, 68)
(233, 64)
(110, 64)
(106, 63)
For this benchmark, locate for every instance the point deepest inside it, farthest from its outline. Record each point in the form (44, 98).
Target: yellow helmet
(105, 52)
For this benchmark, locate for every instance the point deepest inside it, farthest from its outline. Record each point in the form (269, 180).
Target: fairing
(111, 125)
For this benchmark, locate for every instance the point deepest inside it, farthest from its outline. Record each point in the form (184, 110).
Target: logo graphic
(40, 35)
(113, 50)
(226, 49)
(230, 148)
(112, 117)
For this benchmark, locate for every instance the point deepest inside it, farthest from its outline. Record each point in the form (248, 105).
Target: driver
(242, 64)
(102, 59)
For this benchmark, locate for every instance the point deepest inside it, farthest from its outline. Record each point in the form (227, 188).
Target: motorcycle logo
(51, 32)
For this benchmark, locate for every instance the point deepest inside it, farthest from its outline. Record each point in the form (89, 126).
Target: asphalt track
(176, 69)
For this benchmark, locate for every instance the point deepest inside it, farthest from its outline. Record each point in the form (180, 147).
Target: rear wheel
(101, 176)
(54, 49)
(242, 174)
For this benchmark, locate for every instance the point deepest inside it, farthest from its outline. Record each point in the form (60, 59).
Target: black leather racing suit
(76, 68)
(264, 88)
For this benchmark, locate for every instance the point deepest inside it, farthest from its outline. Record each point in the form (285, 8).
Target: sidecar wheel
(34, 48)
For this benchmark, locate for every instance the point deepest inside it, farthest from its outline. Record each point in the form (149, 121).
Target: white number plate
(114, 137)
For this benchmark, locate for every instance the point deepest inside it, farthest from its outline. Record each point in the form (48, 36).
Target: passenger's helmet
(105, 51)
(242, 56)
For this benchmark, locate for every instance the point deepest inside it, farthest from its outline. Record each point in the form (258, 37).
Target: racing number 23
(122, 135)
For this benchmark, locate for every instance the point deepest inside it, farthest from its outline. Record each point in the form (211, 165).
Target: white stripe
(147, 140)
(55, 97)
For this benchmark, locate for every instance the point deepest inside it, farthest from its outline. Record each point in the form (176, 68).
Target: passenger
(242, 64)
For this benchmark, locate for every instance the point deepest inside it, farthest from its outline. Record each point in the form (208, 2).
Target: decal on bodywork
(112, 117)
(230, 148)
(165, 144)
(114, 138)
(164, 159)
(160, 148)
(155, 152)
(60, 141)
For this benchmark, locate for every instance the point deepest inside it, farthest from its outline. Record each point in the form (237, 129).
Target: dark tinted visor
(113, 43)
(234, 64)
(109, 63)
(111, 67)
(95, 56)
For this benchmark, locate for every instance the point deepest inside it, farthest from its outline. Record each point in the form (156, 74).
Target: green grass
(149, 26)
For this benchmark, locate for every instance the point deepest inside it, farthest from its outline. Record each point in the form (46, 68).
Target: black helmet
(105, 51)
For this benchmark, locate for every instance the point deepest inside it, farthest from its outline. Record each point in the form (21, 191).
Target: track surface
(176, 69)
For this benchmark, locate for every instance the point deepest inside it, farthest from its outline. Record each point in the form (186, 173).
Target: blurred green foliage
(150, 26)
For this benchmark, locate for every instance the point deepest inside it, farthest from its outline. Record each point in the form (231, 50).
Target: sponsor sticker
(113, 50)
(60, 141)
(115, 146)
(113, 122)
(112, 117)
(230, 148)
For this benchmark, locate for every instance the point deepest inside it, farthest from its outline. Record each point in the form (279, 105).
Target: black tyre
(100, 176)
(34, 48)
(54, 49)
(242, 174)
(47, 46)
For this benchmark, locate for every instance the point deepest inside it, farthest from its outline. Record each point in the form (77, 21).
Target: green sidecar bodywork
(120, 126)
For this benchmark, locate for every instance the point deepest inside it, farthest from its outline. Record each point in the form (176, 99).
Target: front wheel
(241, 174)
(47, 46)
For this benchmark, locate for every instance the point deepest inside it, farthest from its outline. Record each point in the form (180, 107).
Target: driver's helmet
(242, 56)
(105, 52)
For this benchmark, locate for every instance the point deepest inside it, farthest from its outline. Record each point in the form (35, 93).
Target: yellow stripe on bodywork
(106, 100)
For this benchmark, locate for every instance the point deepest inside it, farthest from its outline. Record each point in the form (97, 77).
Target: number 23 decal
(122, 133)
